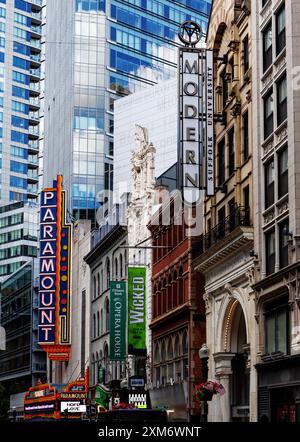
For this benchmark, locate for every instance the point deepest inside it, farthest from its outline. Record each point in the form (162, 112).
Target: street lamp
(204, 356)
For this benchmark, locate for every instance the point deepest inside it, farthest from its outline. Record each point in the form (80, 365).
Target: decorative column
(223, 372)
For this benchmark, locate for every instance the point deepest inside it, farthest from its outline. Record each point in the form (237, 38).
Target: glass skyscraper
(20, 73)
(20, 86)
(96, 52)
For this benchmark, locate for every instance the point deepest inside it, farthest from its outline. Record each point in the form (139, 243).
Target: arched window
(107, 314)
(98, 284)
(169, 292)
(177, 346)
(163, 351)
(94, 326)
(93, 369)
(98, 324)
(121, 266)
(101, 321)
(175, 290)
(164, 295)
(156, 353)
(185, 342)
(181, 287)
(107, 273)
(170, 349)
(116, 269)
(106, 363)
(101, 281)
(94, 288)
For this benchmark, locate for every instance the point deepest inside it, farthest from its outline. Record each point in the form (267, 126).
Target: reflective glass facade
(120, 47)
(20, 74)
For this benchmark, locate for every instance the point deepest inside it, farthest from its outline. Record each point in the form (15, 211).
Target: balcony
(36, 73)
(32, 192)
(36, 30)
(36, 17)
(32, 176)
(35, 59)
(34, 132)
(34, 102)
(33, 161)
(34, 117)
(35, 44)
(33, 147)
(35, 87)
(225, 239)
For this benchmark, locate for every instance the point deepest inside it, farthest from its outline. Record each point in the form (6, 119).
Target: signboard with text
(136, 310)
(55, 271)
(117, 342)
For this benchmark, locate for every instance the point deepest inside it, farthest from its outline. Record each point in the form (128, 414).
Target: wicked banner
(136, 310)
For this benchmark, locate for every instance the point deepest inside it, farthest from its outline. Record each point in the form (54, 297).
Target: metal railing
(240, 217)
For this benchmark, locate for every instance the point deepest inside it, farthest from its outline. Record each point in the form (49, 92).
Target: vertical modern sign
(117, 342)
(209, 100)
(55, 273)
(136, 310)
(190, 98)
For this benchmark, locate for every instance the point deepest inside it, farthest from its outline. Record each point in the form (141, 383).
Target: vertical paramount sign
(196, 116)
(55, 257)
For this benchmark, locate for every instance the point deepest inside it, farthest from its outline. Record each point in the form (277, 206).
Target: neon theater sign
(55, 269)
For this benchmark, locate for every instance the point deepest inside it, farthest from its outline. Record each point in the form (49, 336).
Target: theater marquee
(55, 270)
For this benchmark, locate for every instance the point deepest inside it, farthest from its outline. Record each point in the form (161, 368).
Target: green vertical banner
(136, 310)
(117, 343)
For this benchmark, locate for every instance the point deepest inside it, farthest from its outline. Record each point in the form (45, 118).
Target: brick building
(178, 317)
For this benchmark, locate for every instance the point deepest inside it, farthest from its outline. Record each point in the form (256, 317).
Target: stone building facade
(225, 257)
(276, 174)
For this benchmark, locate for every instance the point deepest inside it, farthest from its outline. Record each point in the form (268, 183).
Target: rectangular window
(16, 106)
(221, 223)
(221, 162)
(268, 114)
(21, 63)
(224, 87)
(21, 34)
(231, 151)
(19, 122)
(2, 12)
(283, 244)
(270, 252)
(246, 136)
(281, 100)
(246, 53)
(267, 47)
(20, 92)
(276, 326)
(19, 152)
(18, 182)
(19, 137)
(2, 42)
(280, 30)
(269, 184)
(108, 176)
(283, 179)
(22, 19)
(111, 148)
(17, 167)
(246, 197)
(20, 78)
(21, 49)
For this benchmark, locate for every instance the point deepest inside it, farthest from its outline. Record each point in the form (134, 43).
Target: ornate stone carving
(236, 109)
